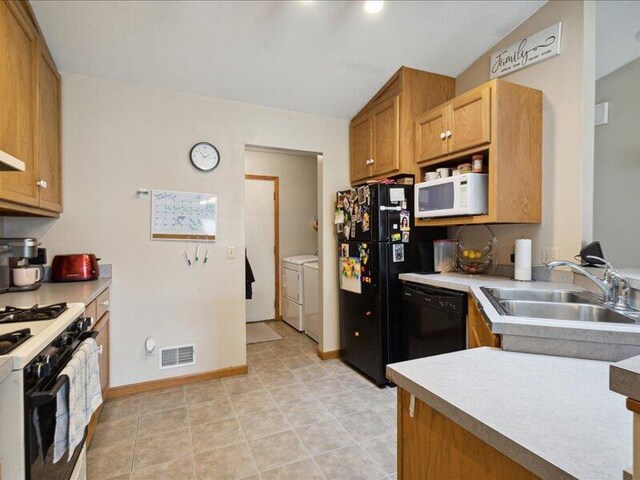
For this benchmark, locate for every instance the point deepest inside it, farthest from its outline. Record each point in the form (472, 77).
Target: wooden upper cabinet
(431, 140)
(383, 131)
(361, 147)
(18, 53)
(386, 137)
(30, 108)
(470, 120)
(502, 121)
(48, 146)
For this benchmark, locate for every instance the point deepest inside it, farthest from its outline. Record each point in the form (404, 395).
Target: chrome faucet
(618, 284)
(615, 287)
(607, 291)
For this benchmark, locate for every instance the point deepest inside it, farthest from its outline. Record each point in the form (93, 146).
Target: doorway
(262, 230)
(298, 179)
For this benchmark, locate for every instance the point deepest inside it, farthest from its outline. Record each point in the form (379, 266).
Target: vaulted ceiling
(320, 57)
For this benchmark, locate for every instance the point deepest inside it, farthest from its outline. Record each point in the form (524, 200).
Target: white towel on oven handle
(84, 398)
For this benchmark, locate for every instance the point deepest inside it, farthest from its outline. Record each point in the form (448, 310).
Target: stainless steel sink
(555, 296)
(580, 305)
(563, 311)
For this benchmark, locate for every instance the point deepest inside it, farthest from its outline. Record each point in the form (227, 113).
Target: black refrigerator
(376, 243)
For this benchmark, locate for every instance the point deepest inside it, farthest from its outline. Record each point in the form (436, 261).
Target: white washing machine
(311, 303)
(292, 284)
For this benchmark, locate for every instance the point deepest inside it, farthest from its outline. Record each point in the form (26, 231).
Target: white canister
(523, 260)
(443, 172)
(429, 176)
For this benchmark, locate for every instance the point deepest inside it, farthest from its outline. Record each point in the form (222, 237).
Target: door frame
(276, 223)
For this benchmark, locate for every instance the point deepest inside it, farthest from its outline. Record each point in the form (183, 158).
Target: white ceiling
(320, 57)
(617, 23)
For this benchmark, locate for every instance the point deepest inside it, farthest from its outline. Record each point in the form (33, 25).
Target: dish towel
(78, 399)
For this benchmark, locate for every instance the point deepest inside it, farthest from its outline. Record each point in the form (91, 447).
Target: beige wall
(562, 81)
(118, 137)
(298, 178)
(617, 162)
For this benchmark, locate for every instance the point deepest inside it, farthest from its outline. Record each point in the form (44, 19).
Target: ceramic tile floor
(293, 417)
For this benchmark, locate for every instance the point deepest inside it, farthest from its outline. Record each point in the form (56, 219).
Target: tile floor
(293, 417)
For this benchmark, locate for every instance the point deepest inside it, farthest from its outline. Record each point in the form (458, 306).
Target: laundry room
(281, 225)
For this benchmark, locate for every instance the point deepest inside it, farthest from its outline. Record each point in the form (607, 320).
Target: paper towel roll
(523, 259)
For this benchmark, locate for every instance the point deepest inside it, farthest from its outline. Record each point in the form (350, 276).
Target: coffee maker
(25, 255)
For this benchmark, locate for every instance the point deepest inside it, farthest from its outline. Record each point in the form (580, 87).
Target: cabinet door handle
(105, 303)
(443, 135)
(100, 349)
(41, 184)
(448, 133)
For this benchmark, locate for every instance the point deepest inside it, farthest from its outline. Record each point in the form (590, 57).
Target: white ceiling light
(372, 6)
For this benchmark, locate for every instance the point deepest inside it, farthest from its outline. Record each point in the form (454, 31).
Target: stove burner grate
(33, 314)
(12, 340)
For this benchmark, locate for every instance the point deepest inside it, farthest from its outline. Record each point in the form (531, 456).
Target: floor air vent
(178, 356)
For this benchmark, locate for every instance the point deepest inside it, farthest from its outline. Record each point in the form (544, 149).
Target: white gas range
(30, 387)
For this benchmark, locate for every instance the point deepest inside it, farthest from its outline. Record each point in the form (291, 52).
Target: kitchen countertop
(628, 334)
(553, 415)
(49, 293)
(625, 377)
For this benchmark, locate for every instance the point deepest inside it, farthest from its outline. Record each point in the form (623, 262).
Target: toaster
(80, 267)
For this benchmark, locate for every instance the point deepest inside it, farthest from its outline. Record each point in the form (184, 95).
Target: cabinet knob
(448, 133)
(443, 135)
(105, 303)
(356, 334)
(41, 184)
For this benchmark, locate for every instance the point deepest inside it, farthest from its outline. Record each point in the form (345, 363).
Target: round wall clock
(204, 156)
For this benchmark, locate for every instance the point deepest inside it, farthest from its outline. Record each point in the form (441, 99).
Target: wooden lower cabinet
(102, 339)
(102, 327)
(479, 333)
(433, 447)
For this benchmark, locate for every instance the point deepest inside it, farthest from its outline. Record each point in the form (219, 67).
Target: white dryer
(292, 305)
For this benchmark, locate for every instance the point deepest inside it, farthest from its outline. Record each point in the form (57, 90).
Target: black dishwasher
(433, 321)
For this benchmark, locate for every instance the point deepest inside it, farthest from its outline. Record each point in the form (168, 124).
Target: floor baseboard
(328, 355)
(133, 388)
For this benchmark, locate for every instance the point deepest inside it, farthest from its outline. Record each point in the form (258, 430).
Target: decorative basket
(477, 258)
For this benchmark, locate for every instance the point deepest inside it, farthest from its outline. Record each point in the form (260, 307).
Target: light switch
(231, 252)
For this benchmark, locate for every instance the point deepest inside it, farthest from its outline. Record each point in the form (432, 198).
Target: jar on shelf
(477, 163)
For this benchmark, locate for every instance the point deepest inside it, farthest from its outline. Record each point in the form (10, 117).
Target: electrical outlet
(549, 254)
(231, 253)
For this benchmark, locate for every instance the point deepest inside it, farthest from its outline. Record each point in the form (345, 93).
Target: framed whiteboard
(183, 215)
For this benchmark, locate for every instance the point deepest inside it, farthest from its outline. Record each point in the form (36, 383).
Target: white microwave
(452, 196)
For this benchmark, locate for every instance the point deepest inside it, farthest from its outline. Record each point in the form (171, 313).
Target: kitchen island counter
(554, 416)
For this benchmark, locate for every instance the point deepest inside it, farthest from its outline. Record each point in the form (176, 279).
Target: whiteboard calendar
(183, 215)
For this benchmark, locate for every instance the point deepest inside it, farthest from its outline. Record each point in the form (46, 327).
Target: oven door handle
(40, 398)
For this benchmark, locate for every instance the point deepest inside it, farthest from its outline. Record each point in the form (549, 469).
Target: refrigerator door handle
(393, 209)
